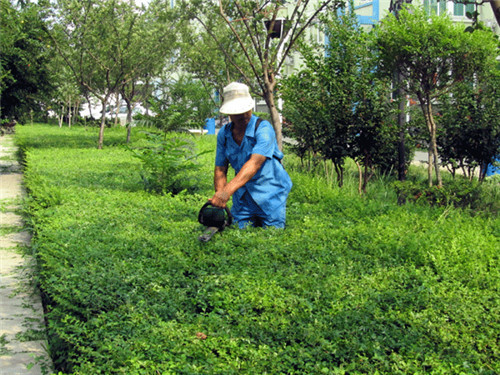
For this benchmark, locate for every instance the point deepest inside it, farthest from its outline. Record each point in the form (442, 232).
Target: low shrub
(168, 163)
(458, 192)
(353, 285)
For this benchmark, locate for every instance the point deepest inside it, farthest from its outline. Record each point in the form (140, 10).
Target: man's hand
(220, 199)
(225, 190)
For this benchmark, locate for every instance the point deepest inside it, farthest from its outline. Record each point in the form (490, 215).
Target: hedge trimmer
(215, 219)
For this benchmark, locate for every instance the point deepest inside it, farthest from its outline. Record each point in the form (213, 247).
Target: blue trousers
(250, 213)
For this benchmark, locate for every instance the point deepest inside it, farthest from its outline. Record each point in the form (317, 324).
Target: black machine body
(215, 219)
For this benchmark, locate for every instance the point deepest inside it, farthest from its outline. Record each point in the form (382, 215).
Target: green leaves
(430, 51)
(24, 74)
(168, 163)
(470, 135)
(431, 55)
(335, 106)
(352, 285)
(183, 103)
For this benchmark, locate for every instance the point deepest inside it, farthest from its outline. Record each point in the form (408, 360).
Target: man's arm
(220, 178)
(224, 190)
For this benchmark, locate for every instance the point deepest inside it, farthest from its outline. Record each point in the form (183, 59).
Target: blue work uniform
(264, 196)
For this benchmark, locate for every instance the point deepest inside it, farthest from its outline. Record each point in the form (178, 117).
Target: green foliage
(336, 108)
(50, 136)
(182, 104)
(93, 122)
(252, 43)
(460, 192)
(168, 163)
(431, 54)
(108, 46)
(24, 75)
(199, 47)
(352, 285)
(263, 115)
(470, 125)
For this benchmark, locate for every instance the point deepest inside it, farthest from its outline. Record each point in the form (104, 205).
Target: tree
(307, 120)
(335, 106)
(67, 96)
(182, 103)
(470, 134)
(431, 54)
(25, 82)
(101, 42)
(88, 37)
(199, 56)
(151, 44)
(265, 33)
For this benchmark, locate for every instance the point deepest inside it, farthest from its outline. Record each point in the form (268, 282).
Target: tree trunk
(368, 174)
(360, 178)
(90, 107)
(275, 116)
(76, 110)
(430, 158)
(402, 133)
(433, 153)
(69, 113)
(430, 164)
(61, 116)
(129, 132)
(277, 125)
(434, 146)
(103, 123)
(145, 96)
(101, 133)
(129, 119)
(398, 77)
(495, 6)
(400, 96)
(340, 173)
(117, 108)
(483, 169)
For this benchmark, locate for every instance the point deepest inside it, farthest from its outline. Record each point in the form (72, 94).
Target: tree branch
(293, 38)
(253, 39)
(245, 51)
(221, 47)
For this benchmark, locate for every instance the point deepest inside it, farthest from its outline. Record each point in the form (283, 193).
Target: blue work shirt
(271, 184)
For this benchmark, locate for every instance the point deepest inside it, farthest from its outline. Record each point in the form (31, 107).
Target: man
(261, 184)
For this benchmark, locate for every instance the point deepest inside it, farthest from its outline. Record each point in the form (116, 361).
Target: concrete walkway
(22, 333)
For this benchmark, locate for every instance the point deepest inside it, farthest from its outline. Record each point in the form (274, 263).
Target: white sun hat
(237, 99)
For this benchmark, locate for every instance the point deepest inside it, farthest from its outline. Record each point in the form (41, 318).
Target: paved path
(22, 333)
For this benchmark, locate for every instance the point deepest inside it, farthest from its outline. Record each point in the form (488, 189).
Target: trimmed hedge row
(351, 286)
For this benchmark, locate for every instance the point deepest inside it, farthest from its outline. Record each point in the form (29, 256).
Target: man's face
(241, 119)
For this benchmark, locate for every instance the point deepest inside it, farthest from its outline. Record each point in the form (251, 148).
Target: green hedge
(353, 285)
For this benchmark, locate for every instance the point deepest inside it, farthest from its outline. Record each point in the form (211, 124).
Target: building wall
(370, 12)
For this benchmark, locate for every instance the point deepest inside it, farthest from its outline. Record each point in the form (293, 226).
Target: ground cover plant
(353, 285)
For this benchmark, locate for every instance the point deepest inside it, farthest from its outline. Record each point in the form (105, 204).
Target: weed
(3, 345)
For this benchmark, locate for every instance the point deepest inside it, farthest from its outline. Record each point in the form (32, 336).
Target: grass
(354, 284)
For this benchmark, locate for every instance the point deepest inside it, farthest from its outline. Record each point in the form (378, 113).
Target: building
(372, 11)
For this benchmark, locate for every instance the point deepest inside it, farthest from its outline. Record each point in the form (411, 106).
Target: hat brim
(237, 106)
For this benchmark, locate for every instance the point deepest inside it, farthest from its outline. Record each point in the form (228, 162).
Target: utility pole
(395, 7)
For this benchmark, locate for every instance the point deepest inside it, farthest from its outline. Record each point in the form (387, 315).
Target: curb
(23, 343)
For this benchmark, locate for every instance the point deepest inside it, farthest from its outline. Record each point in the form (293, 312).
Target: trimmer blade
(209, 233)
